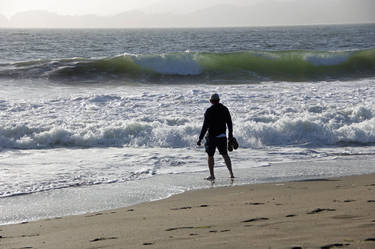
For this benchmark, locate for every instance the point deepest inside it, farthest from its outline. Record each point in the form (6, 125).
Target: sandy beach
(322, 213)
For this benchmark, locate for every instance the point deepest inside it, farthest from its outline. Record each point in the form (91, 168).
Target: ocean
(95, 119)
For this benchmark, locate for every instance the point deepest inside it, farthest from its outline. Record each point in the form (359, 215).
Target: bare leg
(211, 163)
(229, 165)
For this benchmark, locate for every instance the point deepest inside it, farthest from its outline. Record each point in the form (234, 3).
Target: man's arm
(229, 124)
(204, 129)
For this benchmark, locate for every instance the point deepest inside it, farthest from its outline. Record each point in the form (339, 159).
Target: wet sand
(322, 213)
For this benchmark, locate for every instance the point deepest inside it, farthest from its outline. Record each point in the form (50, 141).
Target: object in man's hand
(232, 144)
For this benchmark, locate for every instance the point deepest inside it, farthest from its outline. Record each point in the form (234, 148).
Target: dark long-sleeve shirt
(216, 120)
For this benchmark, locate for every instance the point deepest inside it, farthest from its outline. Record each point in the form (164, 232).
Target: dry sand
(326, 213)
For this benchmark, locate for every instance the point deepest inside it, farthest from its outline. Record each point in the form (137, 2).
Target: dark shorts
(213, 143)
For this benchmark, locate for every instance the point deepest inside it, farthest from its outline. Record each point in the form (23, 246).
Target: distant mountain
(224, 15)
(134, 19)
(173, 6)
(3, 21)
(290, 13)
(45, 19)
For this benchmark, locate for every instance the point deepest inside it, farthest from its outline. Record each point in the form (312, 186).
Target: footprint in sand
(178, 228)
(318, 210)
(346, 201)
(181, 208)
(255, 219)
(334, 245)
(188, 207)
(184, 228)
(103, 238)
(29, 235)
(254, 203)
(92, 215)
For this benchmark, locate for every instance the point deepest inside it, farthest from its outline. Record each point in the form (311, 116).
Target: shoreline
(97, 198)
(299, 214)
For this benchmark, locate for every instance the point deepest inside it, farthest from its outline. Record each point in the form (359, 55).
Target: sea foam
(165, 118)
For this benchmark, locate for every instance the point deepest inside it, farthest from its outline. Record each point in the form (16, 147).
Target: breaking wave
(323, 127)
(198, 67)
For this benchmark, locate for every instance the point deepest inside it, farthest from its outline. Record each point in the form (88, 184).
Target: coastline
(316, 213)
(96, 198)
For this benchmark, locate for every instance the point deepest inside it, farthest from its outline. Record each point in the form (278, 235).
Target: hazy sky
(181, 13)
(108, 7)
(71, 7)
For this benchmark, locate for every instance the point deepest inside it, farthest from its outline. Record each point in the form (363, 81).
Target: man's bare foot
(210, 178)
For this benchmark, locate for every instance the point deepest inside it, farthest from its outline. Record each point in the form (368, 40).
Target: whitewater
(100, 119)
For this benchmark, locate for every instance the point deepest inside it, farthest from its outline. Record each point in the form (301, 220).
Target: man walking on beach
(216, 120)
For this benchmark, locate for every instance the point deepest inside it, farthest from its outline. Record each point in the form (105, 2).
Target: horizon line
(200, 27)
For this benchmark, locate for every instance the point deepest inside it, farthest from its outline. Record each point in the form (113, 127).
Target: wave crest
(197, 67)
